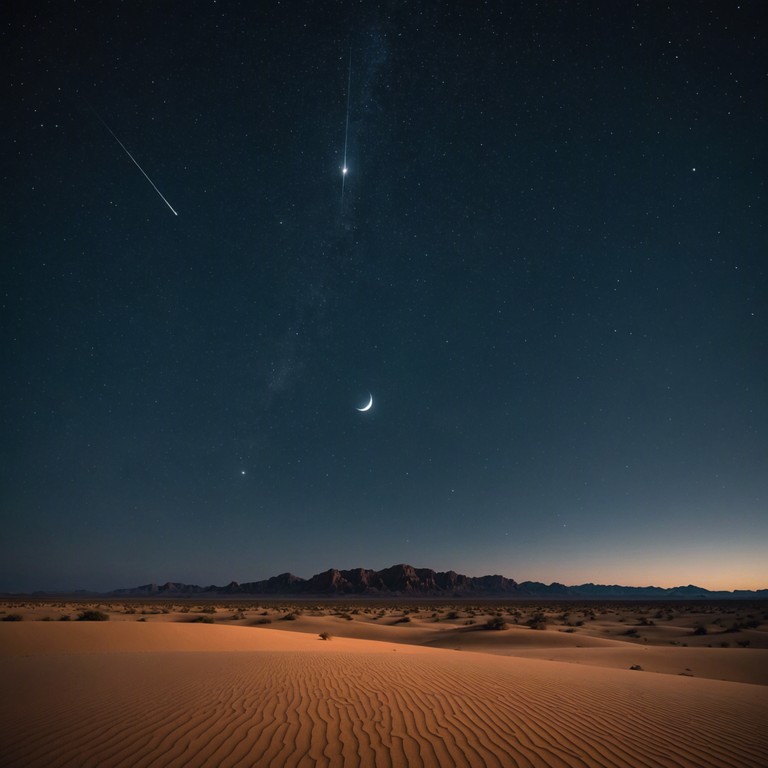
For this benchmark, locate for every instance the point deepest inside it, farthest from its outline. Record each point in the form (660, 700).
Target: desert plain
(383, 683)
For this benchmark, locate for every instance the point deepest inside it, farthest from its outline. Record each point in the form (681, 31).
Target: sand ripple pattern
(338, 709)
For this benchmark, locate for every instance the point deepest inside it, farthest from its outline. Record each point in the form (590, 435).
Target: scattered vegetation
(324, 636)
(671, 624)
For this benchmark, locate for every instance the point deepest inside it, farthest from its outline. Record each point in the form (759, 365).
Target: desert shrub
(46, 618)
(92, 615)
(324, 636)
(65, 617)
(289, 617)
(202, 620)
(237, 615)
(143, 618)
(700, 631)
(631, 632)
(452, 615)
(403, 620)
(263, 621)
(496, 622)
(130, 610)
(636, 668)
(13, 617)
(537, 621)
(208, 609)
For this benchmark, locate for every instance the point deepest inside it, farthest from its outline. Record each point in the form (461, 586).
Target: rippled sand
(120, 694)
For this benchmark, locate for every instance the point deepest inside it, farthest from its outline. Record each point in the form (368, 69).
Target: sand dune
(735, 665)
(194, 695)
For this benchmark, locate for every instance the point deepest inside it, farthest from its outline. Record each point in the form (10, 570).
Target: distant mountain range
(407, 581)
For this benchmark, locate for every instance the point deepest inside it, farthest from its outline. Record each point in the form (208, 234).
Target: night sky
(548, 270)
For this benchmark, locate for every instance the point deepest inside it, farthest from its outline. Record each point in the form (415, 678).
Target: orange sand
(173, 694)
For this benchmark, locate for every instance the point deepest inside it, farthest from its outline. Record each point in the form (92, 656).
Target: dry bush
(92, 615)
(496, 622)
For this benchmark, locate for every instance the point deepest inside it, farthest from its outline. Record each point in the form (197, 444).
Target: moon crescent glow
(366, 407)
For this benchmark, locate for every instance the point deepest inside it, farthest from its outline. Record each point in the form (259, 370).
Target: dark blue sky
(549, 271)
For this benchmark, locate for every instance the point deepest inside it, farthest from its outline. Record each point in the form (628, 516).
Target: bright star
(344, 170)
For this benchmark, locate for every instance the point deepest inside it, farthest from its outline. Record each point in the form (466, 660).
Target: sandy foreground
(166, 692)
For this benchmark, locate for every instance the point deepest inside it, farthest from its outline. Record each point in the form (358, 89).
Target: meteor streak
(125, 149)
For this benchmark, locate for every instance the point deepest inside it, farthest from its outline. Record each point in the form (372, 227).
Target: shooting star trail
(125, 149)
(344, 168)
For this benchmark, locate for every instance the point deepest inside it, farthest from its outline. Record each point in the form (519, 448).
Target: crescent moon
(366, 407)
